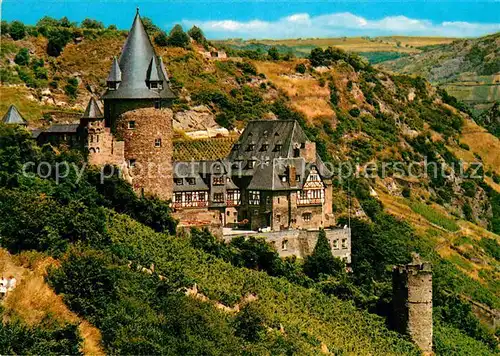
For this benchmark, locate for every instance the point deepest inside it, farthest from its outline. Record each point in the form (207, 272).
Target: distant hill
(468, 69)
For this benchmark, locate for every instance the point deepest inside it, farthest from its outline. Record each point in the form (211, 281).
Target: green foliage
(247, 67)
(469, 188)
(17, 30)
(321, 261)
(334, 98)
(58, 39)
(491, 246)
(273, 54)
(93, 24)
(71, 88)
(250, 323)
(434, 216)
(490, 119)
(177, 37)
(22, 57)
(453, 101)
(300, 68)
(319, 57)
(161, 39)
(49, 338)
(149, 26)
(197, 34)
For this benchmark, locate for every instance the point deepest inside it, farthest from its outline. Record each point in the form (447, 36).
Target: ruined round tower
(412, 302)
(136, 112)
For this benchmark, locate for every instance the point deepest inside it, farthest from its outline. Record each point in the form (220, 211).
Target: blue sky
(280, 19)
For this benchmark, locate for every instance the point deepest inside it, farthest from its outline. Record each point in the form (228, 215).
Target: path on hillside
(33, 299)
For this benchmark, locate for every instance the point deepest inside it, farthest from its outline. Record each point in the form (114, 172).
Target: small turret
(115, 75)
(153, 77)
(12, 116)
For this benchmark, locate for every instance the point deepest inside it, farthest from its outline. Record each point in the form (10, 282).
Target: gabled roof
(153, 75)
(12, 116)
(135, 60)
(92, 111)
(115, 74)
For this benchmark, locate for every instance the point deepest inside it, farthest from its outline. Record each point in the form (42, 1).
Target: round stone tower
(147, 134)
(412, 302)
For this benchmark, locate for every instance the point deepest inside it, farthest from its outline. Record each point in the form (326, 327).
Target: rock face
(196, 119)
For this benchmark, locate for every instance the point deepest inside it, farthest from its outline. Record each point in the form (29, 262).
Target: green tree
(321, 261)
(71, 89)
(17, 30)
(47, 21)
(4, 28)
(161, 39)
(112, 27)
(197, 34)
(65, 22)
(22, 57)
(92, 24)
(58, 39)
(149, 26)
(273, 53)
(178, 38)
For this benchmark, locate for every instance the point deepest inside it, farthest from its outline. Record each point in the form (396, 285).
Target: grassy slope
(33, 300)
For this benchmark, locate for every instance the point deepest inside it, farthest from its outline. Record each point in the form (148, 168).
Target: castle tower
(13, 117)
(93, 121)
(412, 302)
(138, 79)
(136, 111)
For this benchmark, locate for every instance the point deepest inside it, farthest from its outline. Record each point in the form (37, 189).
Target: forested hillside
(468, 69)
(120, 267)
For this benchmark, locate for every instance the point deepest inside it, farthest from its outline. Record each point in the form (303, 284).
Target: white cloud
(339, 24)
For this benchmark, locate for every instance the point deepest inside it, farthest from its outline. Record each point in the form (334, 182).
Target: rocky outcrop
(196, 119)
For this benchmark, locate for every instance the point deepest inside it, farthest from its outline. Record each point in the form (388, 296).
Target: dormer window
(251, 147)
(264, 147)
(251, 164)
(278, 147)
(178, 181)
(155, 85)
(113, 85)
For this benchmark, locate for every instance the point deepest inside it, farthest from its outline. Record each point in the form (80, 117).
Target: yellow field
(482, 143)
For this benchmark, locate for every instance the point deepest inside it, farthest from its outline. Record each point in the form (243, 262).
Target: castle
(272, 182)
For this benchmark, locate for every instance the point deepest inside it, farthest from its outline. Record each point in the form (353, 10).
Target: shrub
(469, 188)
(92, 24)
(17, 30)
(197, 34)
(247, 67)
(161, 39)
(22, 57)
(300, 68)
(354, 112)
(71, 88)
(273, 53)
(464, 146)
(58, 39)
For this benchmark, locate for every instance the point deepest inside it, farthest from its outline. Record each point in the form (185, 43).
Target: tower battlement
(412, 302)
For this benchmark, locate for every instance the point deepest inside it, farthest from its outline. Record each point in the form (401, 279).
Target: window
(190, 181)
(250, 147)
(283, 179)
(189, 197)
(157, 104)
(153, 85)
(264, 147)
(302, 145)
(96, 138)
(228, 213)
(296, 152)
(131, 125)
(297, 178)
(218, 197)
(284, 245)
(278, 147)
(253, 197)
(201, 196)
(178, 181)
(131, 163)
(307, 216)
(236, 146)
(218, 180)
(251, 164)
(178, 197)
(91, 138)
(335, 244)
(111, 85)
(344, 243)
(278, 218)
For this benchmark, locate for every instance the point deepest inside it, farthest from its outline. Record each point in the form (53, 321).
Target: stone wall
(149, 164)
(301, 243)
(412, 303)
(114, 108)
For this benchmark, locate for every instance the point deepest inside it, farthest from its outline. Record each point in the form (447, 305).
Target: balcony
(232, 203)
(191, 204)
(311, 201)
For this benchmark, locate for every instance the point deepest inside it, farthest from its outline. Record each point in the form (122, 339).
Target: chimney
(292, 176)
(309, 151)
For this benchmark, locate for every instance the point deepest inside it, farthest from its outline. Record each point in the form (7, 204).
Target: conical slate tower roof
(12, 116)
(137, 55)
(92, 111)
(115, 74)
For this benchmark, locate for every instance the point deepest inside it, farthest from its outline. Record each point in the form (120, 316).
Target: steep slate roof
(12, 116)
(92, 111)
(135, 60)
(271, 161)
(62, 128)
(115, 74)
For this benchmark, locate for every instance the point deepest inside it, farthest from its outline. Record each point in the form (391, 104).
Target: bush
(197, 34)
(58, 39)
(273, 53)
(71, 88)
(300, 68)
(161, 39)
(354, 112)
(92, 24)
(22, 57)
(17, 30)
